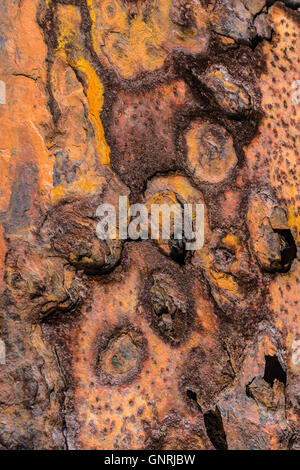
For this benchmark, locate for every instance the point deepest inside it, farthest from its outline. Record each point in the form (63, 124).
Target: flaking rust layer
(141, 344)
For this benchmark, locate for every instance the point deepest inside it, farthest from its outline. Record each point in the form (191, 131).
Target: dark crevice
(215, 429)
(288, 249)
(292, 4)
(178, 252)
(248, 390)
(274, 370)
(258, 40)
(62, 399)
(191, 395)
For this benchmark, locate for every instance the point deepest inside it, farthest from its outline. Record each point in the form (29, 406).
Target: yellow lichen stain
(69, 24)
(86, 184)
(232, 241)
(133, 44)
(224, 281)
(95, 96)
(293, 217)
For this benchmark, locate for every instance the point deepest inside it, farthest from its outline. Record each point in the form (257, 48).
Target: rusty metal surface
(139, 344)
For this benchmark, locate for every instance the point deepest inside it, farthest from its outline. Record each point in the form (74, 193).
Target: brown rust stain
(124, 345)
